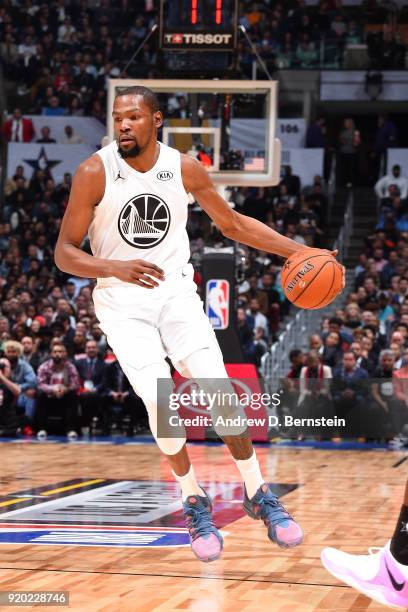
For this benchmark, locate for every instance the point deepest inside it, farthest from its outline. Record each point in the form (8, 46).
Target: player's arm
(87, 191)
(231, 223)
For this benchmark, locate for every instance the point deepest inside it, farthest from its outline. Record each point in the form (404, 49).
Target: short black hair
(335, 321)
(294, 353)
(149, 97)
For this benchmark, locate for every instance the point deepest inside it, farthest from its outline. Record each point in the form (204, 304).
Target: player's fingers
(344, 276)
(334, 253)
(152, 268)
(152, 272)
(148, 280)
(140, 284)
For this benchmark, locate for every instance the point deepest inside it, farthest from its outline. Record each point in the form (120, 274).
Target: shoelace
(201, 521)
(272, 510)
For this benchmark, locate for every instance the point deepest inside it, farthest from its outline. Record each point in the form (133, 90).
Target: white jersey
(142, 215)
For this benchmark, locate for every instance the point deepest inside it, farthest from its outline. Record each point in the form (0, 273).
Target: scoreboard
(198, 25)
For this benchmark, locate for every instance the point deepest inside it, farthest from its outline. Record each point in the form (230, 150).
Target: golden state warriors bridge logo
(144, 221)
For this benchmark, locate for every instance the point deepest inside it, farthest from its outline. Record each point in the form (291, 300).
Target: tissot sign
(175, 40)
(198, 25)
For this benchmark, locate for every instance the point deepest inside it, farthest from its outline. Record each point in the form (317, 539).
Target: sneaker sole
(212, 558)
(371, 593)
(291, 545)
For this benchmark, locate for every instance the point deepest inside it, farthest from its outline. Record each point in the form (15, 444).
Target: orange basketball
(313, 280)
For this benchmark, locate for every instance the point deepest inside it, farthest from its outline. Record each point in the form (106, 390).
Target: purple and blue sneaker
(282, 529)
(376, 575)
(206, 541)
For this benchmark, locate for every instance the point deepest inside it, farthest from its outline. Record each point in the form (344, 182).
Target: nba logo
(217, 303)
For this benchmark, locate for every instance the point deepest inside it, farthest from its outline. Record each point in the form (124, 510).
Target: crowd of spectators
(62, 52)
(361, 155)
(364, 347)
(295, 35)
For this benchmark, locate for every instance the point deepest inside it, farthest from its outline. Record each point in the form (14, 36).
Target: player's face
(135, 125)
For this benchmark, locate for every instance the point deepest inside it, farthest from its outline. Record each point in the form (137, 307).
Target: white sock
(251, 474)
(188, 484)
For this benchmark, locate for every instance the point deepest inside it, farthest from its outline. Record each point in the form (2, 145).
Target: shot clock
(198, 25)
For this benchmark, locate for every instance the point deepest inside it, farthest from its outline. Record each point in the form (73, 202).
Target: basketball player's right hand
(138, 272)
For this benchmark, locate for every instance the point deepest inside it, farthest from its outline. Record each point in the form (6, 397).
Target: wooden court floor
(348, 499)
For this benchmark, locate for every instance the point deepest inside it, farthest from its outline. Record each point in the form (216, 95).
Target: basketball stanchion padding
(311, 279)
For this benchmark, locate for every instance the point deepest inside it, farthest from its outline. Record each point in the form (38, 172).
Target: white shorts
(143, 326)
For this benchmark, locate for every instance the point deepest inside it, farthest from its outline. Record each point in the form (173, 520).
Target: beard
(133, 152)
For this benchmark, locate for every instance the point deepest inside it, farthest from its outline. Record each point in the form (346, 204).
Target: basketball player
(131, 198)
(383, 576)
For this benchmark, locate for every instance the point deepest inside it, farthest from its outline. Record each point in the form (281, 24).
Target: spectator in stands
(23, 375)
(332, 352)
(122, 401)
(58, 384)
(10, 421)
(260, 321)
(292, 181)
(386, 364)
(314, 384)
(46, 136)
(361, 361)
(402, 292)
(306, 54)
(349, 390)
(382, 390)
(352, 318)
(385, 138)
(18, 128)
(70, 137)
(29, 353)
(316, 344)
(9, 56)
(275, 297)
(92, 371)
(400, 379)
(335, 324)
(316, 137)
(245, 325)
(395, 178)
(259, 294)
(297, 360)
(53, 107)
(349, 143)
(62, 324)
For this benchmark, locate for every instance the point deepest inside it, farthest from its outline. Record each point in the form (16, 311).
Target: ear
(158, 119)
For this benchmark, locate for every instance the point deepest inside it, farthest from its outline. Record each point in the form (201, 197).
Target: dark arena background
(298, 110)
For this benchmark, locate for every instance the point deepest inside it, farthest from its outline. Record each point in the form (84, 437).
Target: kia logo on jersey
(164, 175)
(217, 303)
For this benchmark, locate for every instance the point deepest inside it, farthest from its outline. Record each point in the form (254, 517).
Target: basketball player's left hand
(334, 254)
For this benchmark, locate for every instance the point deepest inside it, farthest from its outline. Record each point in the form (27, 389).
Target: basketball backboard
(228, 125)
